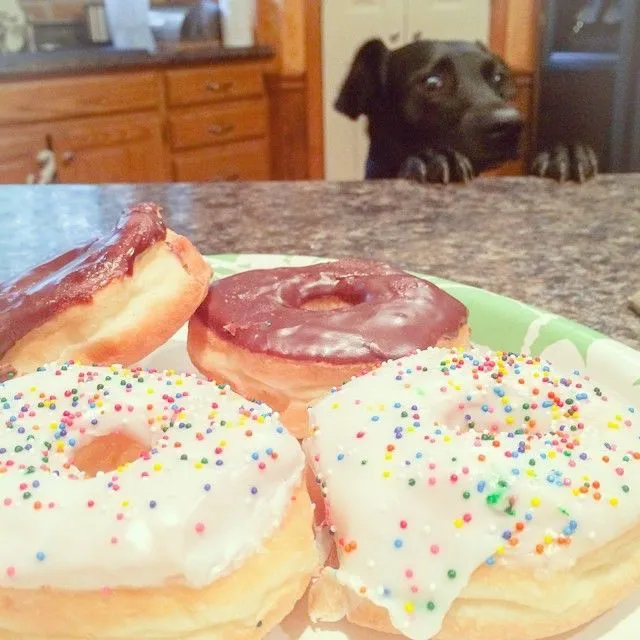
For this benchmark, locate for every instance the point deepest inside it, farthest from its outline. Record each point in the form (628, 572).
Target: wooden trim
(288, 126)
(498, 26)
(314, 117)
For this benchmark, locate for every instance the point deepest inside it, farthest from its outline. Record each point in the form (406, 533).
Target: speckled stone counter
(18, 66)
(574, 250)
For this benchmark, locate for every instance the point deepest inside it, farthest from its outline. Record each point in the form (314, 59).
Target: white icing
(402, 521)
(205, 521)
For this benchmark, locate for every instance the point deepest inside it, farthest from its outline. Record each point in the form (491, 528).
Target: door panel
(447, 20)
(347, 24)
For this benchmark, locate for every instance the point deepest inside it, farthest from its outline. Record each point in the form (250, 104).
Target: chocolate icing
(33, 297)
(393, 313)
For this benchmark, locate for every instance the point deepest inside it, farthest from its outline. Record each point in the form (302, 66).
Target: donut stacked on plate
(467, 494)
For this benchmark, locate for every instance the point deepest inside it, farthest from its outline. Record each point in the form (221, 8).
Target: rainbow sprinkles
(215, 467)
(447, 465)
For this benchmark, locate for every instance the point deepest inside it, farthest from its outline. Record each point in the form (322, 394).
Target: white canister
(238, 22)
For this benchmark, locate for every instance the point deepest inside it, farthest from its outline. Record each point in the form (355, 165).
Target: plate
(496, 322)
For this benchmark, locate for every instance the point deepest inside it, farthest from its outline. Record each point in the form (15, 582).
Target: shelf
(581, 60)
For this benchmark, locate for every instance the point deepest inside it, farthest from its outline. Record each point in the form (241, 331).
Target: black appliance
(589, 78)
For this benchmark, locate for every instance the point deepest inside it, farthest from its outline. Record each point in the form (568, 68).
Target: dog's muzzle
(492, 132)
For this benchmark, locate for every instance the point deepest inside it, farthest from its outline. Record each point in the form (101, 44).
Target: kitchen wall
(67, 9)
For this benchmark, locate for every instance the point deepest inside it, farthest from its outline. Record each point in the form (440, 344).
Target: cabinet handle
(46, 160)
(220, 129)
(217, 86)
(68, 157)
(394, 37)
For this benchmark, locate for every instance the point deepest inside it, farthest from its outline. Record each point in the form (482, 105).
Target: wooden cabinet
(126, 148)
(218, 123)
(19, 149)
(208, 122)
(238, 161)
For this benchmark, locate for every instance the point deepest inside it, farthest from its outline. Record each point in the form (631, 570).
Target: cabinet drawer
(214, 84)
(236, 161)
(19, 148)
(42, 100)
(212, 125)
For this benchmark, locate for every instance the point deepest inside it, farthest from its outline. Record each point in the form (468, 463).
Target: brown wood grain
(122, 148)
(55, 99)
(214, 83)
(248, 160)
(205, 126)
(288, 117)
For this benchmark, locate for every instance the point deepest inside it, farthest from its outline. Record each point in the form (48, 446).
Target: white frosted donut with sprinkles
(476, 495)
(206, 533)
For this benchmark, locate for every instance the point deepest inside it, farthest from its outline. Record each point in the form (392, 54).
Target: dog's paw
(437, 167)
(564, 162)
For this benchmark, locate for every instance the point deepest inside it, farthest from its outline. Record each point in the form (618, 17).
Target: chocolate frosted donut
(102, 301)
(287, 335)
(380, 312)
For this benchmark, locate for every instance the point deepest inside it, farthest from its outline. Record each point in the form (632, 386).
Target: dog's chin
(488, 155)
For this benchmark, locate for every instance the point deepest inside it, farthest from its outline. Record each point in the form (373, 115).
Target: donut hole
(323, 297)
(326, 303)
(107, 452)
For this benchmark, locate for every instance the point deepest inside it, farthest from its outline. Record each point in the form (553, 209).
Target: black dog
(439, 112)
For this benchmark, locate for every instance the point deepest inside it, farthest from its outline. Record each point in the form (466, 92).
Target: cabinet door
(19, 148)
(447, 20)
(347, 24)
(125, 148)
(248, 160)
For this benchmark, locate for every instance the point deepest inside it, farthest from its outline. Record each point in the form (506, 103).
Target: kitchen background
(244, 90)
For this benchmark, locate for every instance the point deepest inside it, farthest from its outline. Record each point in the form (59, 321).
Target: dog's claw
(577, 162)
(437, 168)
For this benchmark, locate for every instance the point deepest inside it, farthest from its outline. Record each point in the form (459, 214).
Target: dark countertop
(574, 250)
(17, 66)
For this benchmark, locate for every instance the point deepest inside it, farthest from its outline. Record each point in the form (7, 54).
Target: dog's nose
(502, 123)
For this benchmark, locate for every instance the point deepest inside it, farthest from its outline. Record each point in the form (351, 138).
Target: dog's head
(432, 93)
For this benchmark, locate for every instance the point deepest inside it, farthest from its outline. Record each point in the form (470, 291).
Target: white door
(447, 20)
(346, 25)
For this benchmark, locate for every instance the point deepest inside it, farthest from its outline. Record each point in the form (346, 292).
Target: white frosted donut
(206, 534)
(476, 495)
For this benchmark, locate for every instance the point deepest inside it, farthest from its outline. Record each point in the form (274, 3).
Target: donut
(477, 495)
(288, 335)
(114, 299)
(202, 529)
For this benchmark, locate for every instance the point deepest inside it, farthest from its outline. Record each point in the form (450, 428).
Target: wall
(67, 9)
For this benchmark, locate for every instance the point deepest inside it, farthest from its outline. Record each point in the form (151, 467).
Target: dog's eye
(433, 82)
(498, 77)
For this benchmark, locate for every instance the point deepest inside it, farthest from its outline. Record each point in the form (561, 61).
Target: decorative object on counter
(96, 23)
(203, 22)
(129, 24)
(13, 27)
(238, 21)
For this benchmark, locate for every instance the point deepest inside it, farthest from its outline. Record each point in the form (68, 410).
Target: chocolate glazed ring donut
(112, 300)
(287, 336)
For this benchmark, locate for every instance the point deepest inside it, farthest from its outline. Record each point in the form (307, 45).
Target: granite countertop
(17, 66)
(573, 250)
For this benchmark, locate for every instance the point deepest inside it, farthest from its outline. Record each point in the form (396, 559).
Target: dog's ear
(365, 82)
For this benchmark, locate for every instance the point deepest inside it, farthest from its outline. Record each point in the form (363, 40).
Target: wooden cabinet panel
(43, 100)
(123, 148)
(214, 84)
(235, 161)
(19, 147)
(200, 127)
